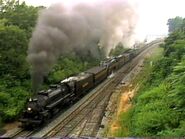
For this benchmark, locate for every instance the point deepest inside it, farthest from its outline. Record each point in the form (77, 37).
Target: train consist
(47, 103)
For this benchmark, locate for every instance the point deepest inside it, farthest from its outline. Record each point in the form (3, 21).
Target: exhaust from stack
(62, 29)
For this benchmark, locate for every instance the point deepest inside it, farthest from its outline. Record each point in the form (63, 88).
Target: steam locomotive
(47, 103)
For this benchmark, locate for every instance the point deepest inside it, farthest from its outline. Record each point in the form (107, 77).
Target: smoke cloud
(61, 30)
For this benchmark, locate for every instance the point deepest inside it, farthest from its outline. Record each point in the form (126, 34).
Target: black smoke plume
(61, 29)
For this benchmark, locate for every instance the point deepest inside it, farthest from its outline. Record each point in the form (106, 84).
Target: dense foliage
(119, 49)
(176, 24)
(15, 31)
(159, 107)
(17, 20)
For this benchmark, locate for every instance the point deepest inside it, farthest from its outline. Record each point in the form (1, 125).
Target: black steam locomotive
(47, 103)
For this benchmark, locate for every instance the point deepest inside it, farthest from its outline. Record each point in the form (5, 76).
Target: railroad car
(83, 83)
(99, 74)
(127, 57)
(120, 60)
(111, 64)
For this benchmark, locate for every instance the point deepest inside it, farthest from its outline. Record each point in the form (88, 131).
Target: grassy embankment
(158, 108)
(142, 108)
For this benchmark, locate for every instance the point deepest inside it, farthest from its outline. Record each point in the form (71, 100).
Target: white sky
(153, 14)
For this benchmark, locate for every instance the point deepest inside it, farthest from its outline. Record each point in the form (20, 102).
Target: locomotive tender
(45, 104)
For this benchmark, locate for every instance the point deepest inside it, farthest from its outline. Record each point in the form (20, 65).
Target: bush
(12, 102)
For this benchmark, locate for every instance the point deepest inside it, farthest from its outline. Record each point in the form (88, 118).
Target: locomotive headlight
(29, 109)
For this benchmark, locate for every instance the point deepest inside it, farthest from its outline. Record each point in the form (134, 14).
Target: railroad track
(84, 119)
(66, 127)
(23, 133)
(75, 117)
(19, 132)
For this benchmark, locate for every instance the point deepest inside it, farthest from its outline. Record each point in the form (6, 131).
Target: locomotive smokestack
(61, 29)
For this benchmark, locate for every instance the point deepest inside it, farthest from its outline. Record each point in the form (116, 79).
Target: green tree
(13, 47)
(19, 14)
(175, 24)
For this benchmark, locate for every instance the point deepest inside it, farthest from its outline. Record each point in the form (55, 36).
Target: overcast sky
(153, 14)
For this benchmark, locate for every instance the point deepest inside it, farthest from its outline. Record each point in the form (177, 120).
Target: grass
(124, 118)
